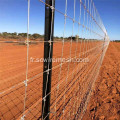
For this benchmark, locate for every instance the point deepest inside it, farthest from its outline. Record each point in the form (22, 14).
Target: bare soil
(66, 88)
(105, 100)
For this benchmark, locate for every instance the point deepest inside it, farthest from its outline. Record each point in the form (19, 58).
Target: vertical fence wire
(27, 61)
(61, 56)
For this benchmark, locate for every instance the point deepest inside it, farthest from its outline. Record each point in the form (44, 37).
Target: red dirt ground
(105, 101)
(64, 98)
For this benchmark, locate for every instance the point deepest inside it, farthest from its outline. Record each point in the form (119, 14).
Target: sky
(13, 16)
(109, 11)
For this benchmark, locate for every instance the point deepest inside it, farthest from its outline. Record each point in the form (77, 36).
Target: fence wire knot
(57, 87)
(52, 7)
(47, 71)
(50, 42)
(65, 15)
(25, 82)
(23, 117)
(27, 42)
(44, 99)
(73, 20)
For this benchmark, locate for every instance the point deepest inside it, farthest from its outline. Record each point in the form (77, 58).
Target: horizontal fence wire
(79, 52)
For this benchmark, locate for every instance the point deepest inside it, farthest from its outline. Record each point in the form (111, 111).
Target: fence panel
(79, 45)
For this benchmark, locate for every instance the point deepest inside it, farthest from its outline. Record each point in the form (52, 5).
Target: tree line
(16, 35)
(35, 36)
(116, 40)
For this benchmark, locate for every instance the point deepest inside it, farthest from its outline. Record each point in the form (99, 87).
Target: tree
(22, 34)
(14, 34)
(5, 34)
(36, 35)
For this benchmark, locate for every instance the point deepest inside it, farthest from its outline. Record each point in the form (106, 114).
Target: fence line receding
(74, 44)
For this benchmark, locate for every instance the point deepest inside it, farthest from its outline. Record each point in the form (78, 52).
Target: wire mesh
(82, 36)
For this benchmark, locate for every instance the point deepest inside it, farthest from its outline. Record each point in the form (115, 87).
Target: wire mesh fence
(77, 51)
